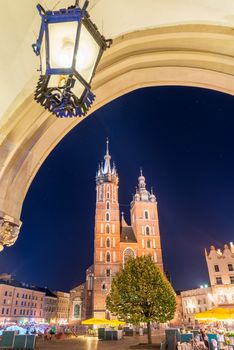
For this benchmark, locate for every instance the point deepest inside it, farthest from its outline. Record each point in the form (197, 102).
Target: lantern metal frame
(61, 100)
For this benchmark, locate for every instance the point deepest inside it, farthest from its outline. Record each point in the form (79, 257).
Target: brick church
(115, 240)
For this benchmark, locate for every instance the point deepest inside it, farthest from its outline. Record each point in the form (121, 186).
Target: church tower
(107, 233)
(144, 221)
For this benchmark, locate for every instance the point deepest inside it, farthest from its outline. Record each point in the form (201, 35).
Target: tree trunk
(149, 333)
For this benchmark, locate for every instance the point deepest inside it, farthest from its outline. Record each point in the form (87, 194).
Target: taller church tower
(107, 233)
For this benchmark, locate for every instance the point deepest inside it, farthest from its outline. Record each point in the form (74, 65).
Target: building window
(76, 312)
(147, 230)
(15, 312)
(108, 243)
(199, 301)
(108, 257)
(5, 293)
(128, 253)
(103, 286)
(219, 280)
(146, 214)
(108, 205)
(17, 295)
(107, 229)
(204, 301)
(216, 268)
(230, 267)
(107, 217)
(148, 244)
(108, 273)
(3, 310)
(232, 279)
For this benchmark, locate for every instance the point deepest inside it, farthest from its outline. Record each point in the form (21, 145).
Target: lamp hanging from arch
(70, 48)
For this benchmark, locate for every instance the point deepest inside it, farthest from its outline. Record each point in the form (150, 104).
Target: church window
(148, 244)
(146, 214)
(107, 217)
(108, 257)
(76, 312)
(147, 230)
(103, 286)
(107, 205)
(107, 228)
(108, 192)
(128, 253)
(108, 273)
(108, 243)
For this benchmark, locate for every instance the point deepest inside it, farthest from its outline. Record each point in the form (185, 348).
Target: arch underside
(188, 55)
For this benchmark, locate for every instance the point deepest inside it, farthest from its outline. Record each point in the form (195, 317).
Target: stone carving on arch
(128, 253)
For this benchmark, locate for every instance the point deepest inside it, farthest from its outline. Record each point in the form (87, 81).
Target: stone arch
(182, 55)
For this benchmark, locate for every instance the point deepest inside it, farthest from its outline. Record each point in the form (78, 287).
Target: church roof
(127, 235)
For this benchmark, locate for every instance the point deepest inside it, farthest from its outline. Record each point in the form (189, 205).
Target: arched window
(108, 205)
(128, 253)
(108, 257)
(147, 230)
(107, 217)
(107, 228)
(148, 244)
(108, 192)
(108, 243)
(108, 273)
(103, 286)
(146, 214)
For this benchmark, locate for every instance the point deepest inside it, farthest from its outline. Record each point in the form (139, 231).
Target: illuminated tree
(141, 293)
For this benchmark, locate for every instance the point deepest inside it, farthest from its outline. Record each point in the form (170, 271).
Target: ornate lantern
(70, 47)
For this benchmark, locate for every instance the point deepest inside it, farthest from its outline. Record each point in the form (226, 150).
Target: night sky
(183, 140)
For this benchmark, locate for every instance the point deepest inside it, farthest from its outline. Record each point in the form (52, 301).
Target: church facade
(115, 240)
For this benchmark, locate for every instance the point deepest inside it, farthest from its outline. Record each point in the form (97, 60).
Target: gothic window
(128, 253)
(108, 257)
(147, 230)
(108, 243)
(108, 273)
(108, 192)
(146, 214)
(100, 193)
(107, 217)
(76, 312)
(107, 229)
(148, 244)
(108, 205)
(103, 286)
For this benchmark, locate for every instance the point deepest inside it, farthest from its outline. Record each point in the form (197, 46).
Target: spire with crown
(106, 172)
(141, 192)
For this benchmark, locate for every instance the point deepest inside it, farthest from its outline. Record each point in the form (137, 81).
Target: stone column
(9, 230)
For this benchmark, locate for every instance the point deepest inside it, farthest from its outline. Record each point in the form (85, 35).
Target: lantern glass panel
(62, 38)
(78, 88)
(87, 54)
(43, 57)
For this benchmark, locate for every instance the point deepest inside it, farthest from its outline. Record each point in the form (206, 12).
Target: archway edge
(188, 55)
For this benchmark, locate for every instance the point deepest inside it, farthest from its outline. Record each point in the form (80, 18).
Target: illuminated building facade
(20, 302)
(115, 240)
(220, 264)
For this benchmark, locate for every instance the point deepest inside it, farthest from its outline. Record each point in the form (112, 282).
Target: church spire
(107, 165)
(106, 172)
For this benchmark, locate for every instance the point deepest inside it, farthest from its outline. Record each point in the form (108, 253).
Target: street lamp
(70, 48)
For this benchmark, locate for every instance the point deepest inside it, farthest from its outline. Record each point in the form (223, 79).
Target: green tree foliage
(141, 293)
